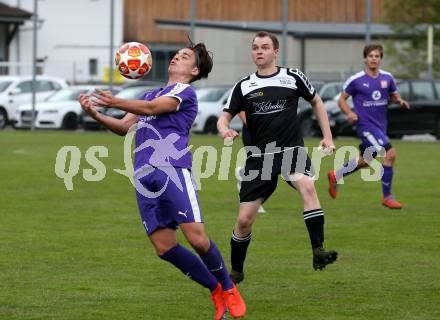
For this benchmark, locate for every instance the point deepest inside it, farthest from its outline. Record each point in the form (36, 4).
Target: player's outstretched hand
(103, 98)
(229, 133)
(327, 146)
(352, 117)
(404, 104)
(86, 104)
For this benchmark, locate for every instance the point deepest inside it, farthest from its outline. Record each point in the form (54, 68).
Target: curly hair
(203, 60)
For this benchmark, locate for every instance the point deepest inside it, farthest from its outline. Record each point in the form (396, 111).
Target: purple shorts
(374, 138)
(167, 199)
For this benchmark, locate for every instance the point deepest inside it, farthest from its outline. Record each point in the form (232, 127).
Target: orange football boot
(234, 302)
(333, 184)
(219, 302)
(391, 203)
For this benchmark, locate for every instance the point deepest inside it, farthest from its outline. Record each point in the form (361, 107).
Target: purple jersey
(370, 98)
(162, 140)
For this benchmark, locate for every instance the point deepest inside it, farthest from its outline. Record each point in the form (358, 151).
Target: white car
(17, 90)
(61, 110)
(211, 101)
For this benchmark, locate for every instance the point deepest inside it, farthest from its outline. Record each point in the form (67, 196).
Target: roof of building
(13, 15)
(296, 29)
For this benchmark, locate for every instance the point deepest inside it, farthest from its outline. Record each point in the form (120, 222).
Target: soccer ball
(133, 60)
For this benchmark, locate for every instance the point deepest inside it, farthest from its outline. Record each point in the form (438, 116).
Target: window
(25, 87)
(93, 66)
(423, 90)
(403, 89)
(55, 85)
(4, 85)
(66, 94)
(317, 85)
(331, 91)
(437, 88)
(43, 86)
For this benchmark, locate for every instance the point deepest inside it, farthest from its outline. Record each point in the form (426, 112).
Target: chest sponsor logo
(147, 118)
(256, 95)
(376, 95)
(267, 107)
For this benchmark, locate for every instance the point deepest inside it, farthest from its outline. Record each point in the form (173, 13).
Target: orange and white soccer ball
(133, 60)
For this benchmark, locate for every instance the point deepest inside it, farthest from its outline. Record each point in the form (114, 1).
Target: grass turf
(83, 254)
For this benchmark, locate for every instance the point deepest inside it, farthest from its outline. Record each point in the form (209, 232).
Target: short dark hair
(262, 34)
(372, 47)
(203, 60)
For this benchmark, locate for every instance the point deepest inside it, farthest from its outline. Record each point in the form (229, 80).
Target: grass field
(83, 254)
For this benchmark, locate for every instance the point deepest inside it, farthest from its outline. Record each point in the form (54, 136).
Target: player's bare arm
(125, 124)
(156, 106)
(321, 114)
(342, 103)
(242, 116)
(223, 126)
(118, 126)
(396, 97)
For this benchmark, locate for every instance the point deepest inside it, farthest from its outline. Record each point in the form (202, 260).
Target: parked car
(61, 110)
(423, 117)
(337, 119)
(328, 90)
(131, 92)
(211, 101)
(17, 90)
(307, 120)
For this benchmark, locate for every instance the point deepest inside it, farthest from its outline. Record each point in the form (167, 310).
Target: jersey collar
(270, 75)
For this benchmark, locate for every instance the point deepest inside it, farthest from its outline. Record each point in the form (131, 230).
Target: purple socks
(191, 266)
(387, 178)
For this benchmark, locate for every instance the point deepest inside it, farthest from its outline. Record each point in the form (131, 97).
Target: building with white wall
(73, 38)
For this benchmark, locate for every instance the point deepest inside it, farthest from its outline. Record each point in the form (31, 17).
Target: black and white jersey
(271, 104)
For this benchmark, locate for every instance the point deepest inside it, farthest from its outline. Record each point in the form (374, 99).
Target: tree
(411, 19)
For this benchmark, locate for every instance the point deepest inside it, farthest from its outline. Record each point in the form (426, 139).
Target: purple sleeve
(393, 87)
(349, 87)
